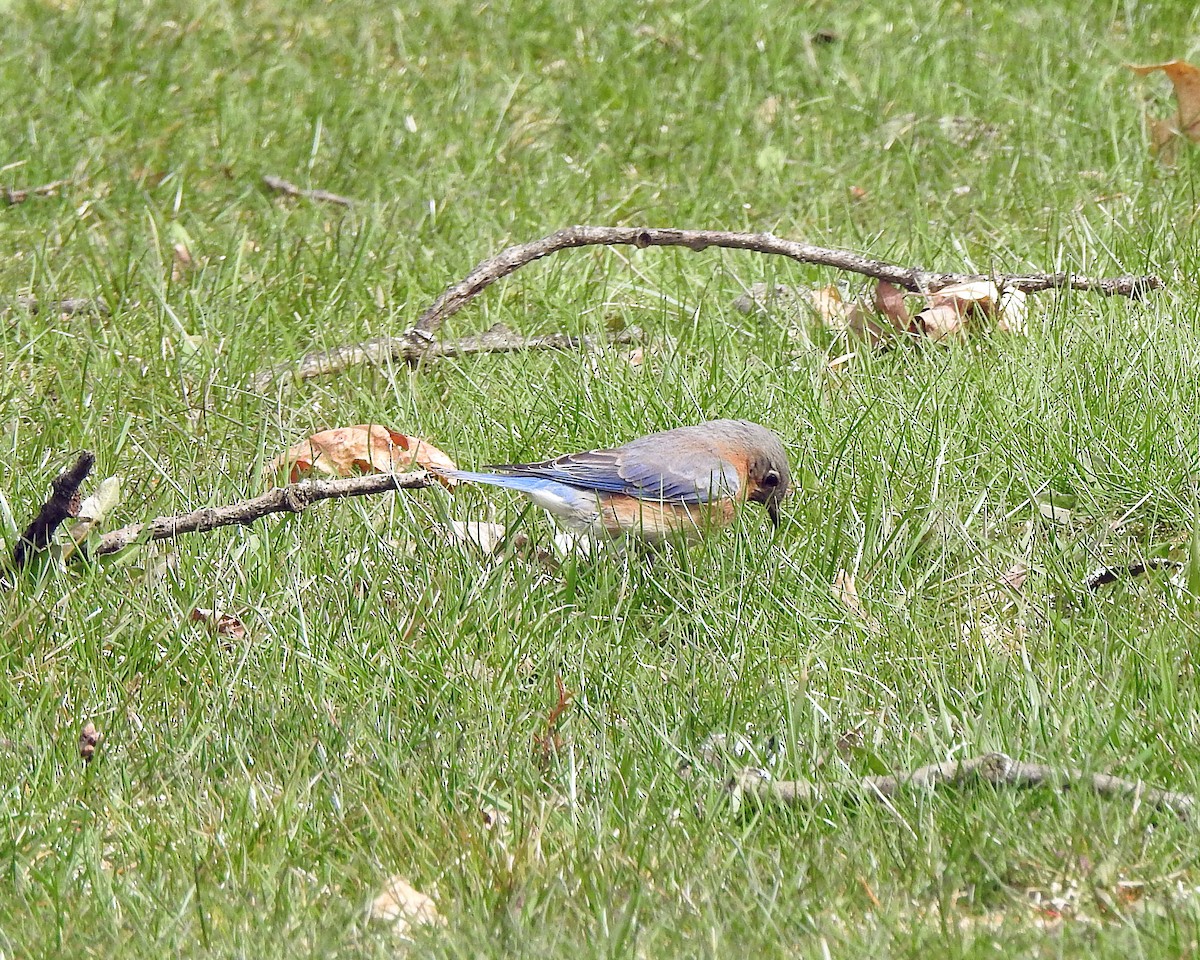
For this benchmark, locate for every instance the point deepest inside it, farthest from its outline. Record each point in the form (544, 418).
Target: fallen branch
(910, 278)
(1106, 575)
(289, 189)
(411, 348)
(70, 305)
(997, 769)
(13, 196)
(63, 503)
(293, 498)
(507, 261)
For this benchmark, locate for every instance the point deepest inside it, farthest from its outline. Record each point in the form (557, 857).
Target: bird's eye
(771, 479)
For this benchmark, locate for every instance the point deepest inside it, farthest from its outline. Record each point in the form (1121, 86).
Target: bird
(674, 484)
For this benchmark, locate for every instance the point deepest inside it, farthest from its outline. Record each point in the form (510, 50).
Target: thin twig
(293, 498)
(70, 305)
(13, 196)
(413, 348)
(910, 278)
(997, 769)
(287, 188)
(513, 258)
(1105, 575)
(64, 502)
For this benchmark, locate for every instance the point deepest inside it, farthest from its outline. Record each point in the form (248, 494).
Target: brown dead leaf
(89, 739)
(181, 261)
(846, 590)
(1014, 577)
(1013, 313)
(952, 309)
(405, 907)
(942, 322)
(222, 624)
(365, 448)
(1185, 78)
(843, 316)
(889, 301)
(546, 745)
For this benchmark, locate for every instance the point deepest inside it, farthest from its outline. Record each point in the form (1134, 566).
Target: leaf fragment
(1165, 132)
(364, 448)
(953, 309)
(404, 906)
(95, 507)
(222, 624)
(89, 739)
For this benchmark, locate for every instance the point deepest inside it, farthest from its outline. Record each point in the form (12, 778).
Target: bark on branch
(13, 196)
(63, 503)
(997, 769)
(417, 341)
(294, 498)
(289, 189)
(412, 347)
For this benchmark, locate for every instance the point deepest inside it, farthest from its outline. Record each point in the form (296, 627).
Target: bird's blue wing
(640, 471)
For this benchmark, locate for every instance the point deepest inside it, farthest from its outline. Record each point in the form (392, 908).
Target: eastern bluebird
(674, 483)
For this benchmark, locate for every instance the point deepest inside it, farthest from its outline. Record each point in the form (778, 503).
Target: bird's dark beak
(773, 511)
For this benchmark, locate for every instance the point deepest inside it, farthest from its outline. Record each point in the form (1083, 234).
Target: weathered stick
(63, 503)
(13, 196)
(910, 278)
(1106, 575)
(411, 348)
(293, 498)
(286, 187)
(997, 769)
(420, 336)
(70, 305)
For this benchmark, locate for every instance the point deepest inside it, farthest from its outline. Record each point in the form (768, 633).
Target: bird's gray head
(767, 473)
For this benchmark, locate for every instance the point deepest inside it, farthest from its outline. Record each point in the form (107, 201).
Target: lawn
(389, 711)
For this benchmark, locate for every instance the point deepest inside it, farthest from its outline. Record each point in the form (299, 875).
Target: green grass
(251, 799)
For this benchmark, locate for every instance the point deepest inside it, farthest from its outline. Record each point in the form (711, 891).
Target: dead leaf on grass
(89, 739)
(954, 309)
(845, 589)
(222, 624)
(365, 448)
(848, 317)
(404, 906)
(1165, 132)
(889, 301)
(93, 510)
(546, 745)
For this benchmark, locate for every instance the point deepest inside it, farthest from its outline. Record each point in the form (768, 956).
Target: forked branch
(419, 341)
(996, 769)
(293, 498)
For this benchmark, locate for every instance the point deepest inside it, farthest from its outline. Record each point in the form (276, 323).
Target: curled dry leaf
(1013, 313)
(1015, 576)
(96, 507)
(889, 301)
(365, 448)
(952, 308)
(847, 317)
(89, 739)
(181, 261)
(223, 624)
(845, 589)
(402, 905)
(1164, 133)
